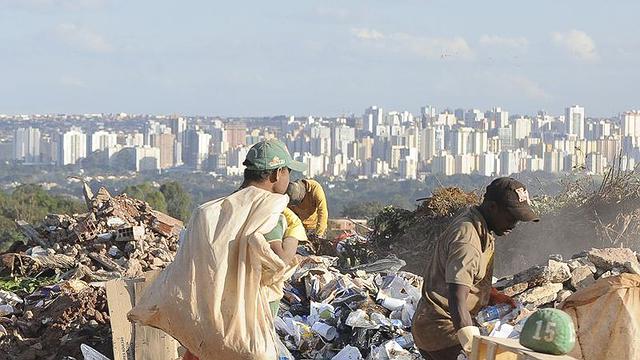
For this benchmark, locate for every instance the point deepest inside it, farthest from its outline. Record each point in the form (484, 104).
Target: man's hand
(465, 336)
(496, 297)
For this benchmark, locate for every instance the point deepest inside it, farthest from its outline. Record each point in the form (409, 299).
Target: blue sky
(251, 58)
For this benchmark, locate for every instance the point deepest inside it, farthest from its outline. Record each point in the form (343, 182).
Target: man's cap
(271, 154)
(513, 196)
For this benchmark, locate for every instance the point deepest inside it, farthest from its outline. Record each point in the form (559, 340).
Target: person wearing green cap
(268, 165)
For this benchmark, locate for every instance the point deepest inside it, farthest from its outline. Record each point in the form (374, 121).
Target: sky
(322, 58)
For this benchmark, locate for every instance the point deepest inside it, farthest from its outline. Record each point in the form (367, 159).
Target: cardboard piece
(135, 342)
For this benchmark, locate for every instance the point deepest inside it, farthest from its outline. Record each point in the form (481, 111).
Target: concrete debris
(540, 295)
(58, 299)
(610, 258)
(551, 284)
(581, 277)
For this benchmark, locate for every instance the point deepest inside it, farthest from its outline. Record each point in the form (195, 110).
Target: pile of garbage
(410, 234)
(356, 313)
(53, 296)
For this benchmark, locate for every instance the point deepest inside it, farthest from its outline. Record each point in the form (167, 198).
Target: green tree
(178, 200)
(146, 192)
(31, 203)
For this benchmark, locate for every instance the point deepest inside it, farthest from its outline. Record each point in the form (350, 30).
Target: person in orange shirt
(308, 201)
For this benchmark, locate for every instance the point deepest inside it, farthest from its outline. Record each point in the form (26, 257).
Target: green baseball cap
(271, 154)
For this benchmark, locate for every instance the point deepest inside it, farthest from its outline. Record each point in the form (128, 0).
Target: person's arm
(458, 306)
(322, 211)
(463, 260)
(285, 249)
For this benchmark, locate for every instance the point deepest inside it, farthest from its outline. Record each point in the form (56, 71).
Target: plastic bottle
(493, 312)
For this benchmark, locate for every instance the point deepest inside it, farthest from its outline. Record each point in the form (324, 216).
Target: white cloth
(212, 297)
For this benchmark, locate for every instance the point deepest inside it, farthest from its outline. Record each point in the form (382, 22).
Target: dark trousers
(450, 353)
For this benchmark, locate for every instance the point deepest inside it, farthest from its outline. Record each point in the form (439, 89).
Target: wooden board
(152, 343)
(490, 348)
(120, 300)
(135, 342)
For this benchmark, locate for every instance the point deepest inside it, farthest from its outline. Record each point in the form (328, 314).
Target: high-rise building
(498, 118)
(443, 164)
(342, 136)
(461, 140)
(488, 164)
(427, 148)
(479, 142)
(372, 118)
(575, 121)
(465, 164)
(508, 162)
(101, 140)
(631, 123)
(554, 161)
(196, 148)
(72, 146)
(166, 144)
(147, 158)
(236, 134)
(521, 128)
(26, 145)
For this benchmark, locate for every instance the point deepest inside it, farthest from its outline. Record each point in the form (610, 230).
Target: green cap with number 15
(549, 331)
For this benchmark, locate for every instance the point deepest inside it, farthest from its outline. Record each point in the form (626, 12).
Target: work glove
(496, 297)
(465, 336)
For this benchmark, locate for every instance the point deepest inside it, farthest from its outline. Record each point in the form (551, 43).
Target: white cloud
(527, 87)
(83, 38)
(367, 34)
(577, 43)
(427, 47)
(496, 40)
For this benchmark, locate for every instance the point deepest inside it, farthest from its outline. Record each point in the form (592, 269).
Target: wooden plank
(475, 348)
(507, 349)
(491, 351)
(152, 343)
(120, 301)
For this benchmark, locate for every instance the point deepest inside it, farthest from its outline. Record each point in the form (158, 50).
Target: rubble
(57, 300)
(548, 285)
(581, 277)
(608, 259)
(357, 304)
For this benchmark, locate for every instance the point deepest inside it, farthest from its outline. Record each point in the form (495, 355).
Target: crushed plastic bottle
(493, 312)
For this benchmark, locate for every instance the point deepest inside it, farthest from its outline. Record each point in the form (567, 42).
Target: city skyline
(332, 57)
(378, 143)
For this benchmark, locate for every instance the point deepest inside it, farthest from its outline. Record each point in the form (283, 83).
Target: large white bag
(212, 297)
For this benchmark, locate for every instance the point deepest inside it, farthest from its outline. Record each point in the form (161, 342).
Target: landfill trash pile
(356, 313)
(409, 234)
(549, 285)
(53, 296)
